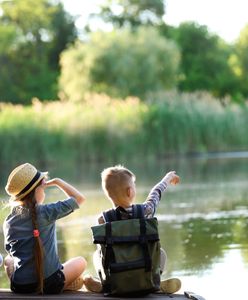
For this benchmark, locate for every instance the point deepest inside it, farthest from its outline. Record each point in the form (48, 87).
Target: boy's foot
(92, 284)
(170, 286)
(76, 285)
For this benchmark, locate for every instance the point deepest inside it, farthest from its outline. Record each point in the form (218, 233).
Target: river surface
(203, 221)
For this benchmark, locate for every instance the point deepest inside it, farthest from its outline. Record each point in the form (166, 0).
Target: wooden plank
(7, 294)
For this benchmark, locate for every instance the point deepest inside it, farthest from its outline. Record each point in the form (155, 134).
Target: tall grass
(188, 123)
(104, 129)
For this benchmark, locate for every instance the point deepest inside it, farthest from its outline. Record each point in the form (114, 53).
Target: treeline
(42, 56)
(110, 130)
(33, 35)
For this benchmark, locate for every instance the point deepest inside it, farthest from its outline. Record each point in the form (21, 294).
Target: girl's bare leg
(73, 269)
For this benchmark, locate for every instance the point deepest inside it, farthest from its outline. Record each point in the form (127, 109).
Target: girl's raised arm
(67, 188)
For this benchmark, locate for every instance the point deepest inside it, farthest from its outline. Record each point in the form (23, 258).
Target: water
(203, 221)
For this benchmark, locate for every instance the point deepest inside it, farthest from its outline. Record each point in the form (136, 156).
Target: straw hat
(22, 180)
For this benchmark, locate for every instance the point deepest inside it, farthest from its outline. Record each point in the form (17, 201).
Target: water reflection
(203, 222)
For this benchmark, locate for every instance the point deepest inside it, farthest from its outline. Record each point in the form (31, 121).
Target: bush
(120, 64)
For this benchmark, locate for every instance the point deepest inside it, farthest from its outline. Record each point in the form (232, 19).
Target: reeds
(104, 129)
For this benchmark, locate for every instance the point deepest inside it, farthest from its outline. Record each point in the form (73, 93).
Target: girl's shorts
(54, 284)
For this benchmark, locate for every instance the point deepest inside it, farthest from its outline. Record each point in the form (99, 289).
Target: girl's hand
(67, 188)
(51, 182)
(171, 178)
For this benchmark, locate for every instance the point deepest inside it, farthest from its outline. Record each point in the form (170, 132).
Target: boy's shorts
(54, 284)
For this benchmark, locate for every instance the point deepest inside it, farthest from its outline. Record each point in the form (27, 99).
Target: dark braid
(30, 202)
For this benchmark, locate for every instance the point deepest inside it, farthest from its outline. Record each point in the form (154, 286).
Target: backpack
(129, 253)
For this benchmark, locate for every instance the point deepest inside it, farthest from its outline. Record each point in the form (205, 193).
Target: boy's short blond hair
(115, 181)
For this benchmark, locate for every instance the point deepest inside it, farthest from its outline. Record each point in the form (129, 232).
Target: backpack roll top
(130, 252)
(126, 231)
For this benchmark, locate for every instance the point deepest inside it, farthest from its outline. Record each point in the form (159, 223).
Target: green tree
(63, 33)
(8, 36)
(34, 34)
(241, 65)
(205, 59)
(131, 13)
(119, 63)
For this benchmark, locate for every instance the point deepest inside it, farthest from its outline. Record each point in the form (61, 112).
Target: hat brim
(42, 175)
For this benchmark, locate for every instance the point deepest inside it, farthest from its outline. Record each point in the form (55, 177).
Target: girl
(32, 263)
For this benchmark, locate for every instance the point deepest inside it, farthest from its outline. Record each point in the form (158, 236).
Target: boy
(118, 184)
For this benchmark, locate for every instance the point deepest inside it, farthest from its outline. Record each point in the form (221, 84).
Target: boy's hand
(175, 180)
(171, 178)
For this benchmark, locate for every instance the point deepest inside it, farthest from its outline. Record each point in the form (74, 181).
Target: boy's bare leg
(163, 260)
(1, 259)
(171, 285)
(9, 265)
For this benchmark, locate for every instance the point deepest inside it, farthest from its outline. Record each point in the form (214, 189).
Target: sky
(223, 17)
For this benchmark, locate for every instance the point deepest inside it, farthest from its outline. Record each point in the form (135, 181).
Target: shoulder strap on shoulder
(115, 214)
(110, 215)
(138, 211)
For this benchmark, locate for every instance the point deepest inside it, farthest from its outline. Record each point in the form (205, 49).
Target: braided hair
(29, 201)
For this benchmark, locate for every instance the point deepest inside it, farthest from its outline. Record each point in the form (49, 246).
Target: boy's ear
(129, 192)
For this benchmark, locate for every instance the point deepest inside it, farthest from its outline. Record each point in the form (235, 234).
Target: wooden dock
(7, 294)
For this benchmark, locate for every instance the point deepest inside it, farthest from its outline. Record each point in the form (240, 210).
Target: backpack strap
(109, 255)
(144, 244)
(138, 211)
(115, 214)
(110, 215)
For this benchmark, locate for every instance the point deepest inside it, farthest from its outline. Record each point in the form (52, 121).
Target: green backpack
(129, 252)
